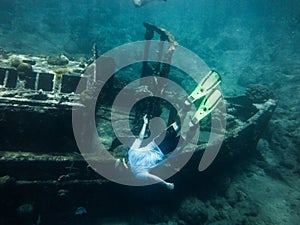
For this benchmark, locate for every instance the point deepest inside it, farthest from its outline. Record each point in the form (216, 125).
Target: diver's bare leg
(184, 109)
(176, 125)
(159, 180)
(137, 143)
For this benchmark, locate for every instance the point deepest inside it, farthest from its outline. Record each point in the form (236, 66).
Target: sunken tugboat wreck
(38, 152)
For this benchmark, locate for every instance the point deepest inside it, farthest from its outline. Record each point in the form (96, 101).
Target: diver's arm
(137, 143)
(143, 130)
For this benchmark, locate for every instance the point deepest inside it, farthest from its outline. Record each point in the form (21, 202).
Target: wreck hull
(47, 167)
(58, 176)
(36, 129)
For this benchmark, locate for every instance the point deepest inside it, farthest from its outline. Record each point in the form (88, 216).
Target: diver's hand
(145, 119)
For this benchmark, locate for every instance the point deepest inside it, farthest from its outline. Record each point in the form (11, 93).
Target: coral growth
(58, 60)
(63, 70)
(15, 62)
(259, 93)
(24, 69)
(193, 211)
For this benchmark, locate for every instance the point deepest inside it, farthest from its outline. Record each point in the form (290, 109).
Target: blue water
(234, 37)
(247, 42)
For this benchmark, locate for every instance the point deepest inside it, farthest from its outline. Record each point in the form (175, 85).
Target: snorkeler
(142, 159)
(139, 3)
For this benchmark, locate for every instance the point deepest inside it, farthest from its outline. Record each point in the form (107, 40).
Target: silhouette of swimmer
(139, 3)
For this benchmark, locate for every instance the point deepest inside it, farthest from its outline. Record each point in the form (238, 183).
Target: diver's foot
(170, 186)
(207, 84)
(208, 104)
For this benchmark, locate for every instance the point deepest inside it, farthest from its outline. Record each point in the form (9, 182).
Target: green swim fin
(209, 82)
(208, 104)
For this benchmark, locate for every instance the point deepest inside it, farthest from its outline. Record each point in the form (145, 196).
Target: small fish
(80, 211)
(139, 3)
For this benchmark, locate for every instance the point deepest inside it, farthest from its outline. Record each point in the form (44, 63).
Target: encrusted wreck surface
(38, 94)
(63, 167)
(38, 152)
(36, 100)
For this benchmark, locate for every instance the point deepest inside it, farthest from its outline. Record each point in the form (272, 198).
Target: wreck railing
(35, 81)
